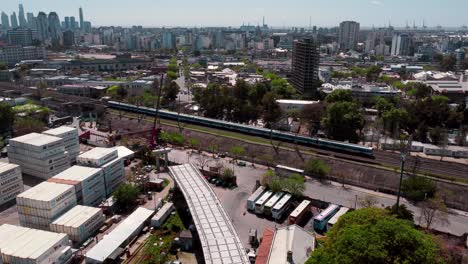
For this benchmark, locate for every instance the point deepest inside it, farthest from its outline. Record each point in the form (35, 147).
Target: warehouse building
(26, 245)
(88, 183)
(39, 155)
(39, 206)
(11, 182)
(112, 166)
(70, 139)
(111, 246)
(80, 223)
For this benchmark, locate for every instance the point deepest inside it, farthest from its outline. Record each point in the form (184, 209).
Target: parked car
(219, 182)
(241, 163)
(148, 168)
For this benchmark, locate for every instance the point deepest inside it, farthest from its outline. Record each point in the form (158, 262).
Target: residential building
(81, 18)
(401, 44)
(20, 36)
(5, 21)
(305, 66)
(42, 26)
(72, 23)
(31, 21)
(68, 38)
(15, 54)
(288, 105)
(168, 40)
(14, 20)
(348, 35)
(55, 29)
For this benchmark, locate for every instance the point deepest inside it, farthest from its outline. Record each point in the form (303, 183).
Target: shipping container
(11, 182)
(79, 223)
(161, 216)
(97, 157)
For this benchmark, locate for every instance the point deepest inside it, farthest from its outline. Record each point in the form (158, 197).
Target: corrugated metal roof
(7, 166)
(36, 139)
(46, 191)
(77, 173)
(97, 153)
(77, 216)
(291, 238)
(60, 130)
(219, 239)
(102, 250)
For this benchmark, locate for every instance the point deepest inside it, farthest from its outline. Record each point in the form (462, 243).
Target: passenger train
(246, 129)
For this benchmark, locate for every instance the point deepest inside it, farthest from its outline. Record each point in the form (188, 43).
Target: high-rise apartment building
(81, 19)
(305, 66)
(5, 20)
(14, 20)
(22, 19)
(168, 40)
(72, 23)
(42, 26)
(55, 30)
(348, 35)
(401, 44)
(31, 21)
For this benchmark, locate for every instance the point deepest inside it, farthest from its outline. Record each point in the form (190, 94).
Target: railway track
(388, 159)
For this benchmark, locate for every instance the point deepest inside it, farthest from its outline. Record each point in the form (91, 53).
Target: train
(246, 129)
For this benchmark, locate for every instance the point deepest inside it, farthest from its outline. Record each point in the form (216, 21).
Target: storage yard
(39, 206)
(80, 223)
(70, 139)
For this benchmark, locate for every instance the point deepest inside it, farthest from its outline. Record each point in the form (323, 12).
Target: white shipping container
(97, 157)
(162, 215)
(36, 142)
(79, 223)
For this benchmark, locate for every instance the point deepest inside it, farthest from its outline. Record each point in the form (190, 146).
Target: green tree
(418, 188)
(316, 168)
(342, 121)
(7, 118)
(295, 185)
(26, 125)
(313, 115)
(433, 210)
(401, 213)
(194, 143)
(237, 152)
(271, 109)
(418, 90)
(126, 195)
(339, 95)
(170, 92)
(372, 235)
(394, 118)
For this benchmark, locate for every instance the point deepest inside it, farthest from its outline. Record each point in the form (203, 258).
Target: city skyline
(376, 13)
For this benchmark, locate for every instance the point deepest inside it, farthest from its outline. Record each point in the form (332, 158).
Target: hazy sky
(235, 12)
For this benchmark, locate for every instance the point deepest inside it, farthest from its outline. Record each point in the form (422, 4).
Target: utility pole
(156, 116)
(405, 150)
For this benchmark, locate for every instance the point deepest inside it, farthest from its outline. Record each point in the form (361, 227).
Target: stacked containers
(88, 182)
(26, 245)
(39, 206)
(79, 223)
(39, 155)
(70, 139)
(11, 182)
(112, 166)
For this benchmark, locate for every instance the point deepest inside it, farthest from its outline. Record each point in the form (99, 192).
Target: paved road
(183, 95)
(235, 200)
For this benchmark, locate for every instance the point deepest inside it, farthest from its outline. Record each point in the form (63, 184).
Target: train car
(246, 129)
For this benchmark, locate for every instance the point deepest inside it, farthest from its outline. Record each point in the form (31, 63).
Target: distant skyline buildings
(217, 13)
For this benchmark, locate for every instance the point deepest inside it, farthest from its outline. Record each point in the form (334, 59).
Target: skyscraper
(401, 44)
(72, 23)
(305, 66)
(42, 26)
(81, 18)
(67, 23)
(348, 35)
(14, 20)
(168, 40)
(31, 20)
(5, 21)
(55, 30)
(22, 19)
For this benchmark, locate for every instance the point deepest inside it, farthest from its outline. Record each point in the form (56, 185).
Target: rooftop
(97, 153)
(46, 191)
(77, 173)
(7, 166)
(36, 139)
(60, 130)
(77, 216)
(291, 238)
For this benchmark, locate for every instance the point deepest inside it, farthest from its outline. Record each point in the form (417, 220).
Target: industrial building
(39, 206)
(112, 166)
(25, 245)
(88, 183)
(112, 245)
(80, 223)
(11, 182)
(39, 155)
(70, 139)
